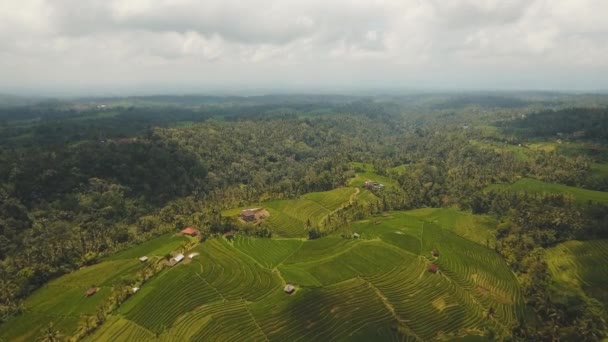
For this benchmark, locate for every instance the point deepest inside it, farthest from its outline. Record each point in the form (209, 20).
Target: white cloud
(98, 44)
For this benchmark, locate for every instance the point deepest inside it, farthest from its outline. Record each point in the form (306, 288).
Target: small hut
(191, 231)
(356, 236)
(143, 258)
(134, 290)
(176, 259)
(192, 255)
(432, 268)
(229, 235)
(91, 291)
(289, 289)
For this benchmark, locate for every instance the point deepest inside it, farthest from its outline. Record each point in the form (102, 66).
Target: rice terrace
(403, 276)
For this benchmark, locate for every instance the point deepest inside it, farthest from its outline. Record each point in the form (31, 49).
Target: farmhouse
(253, 214)
(289, 289)
(91, 291)
(370, 185)
(191, 231)
(143, 258)
(176, 259)
(229, 235)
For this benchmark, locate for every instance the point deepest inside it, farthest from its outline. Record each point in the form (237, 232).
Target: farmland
(365, 172)
(375, 287)
(580, 266)
(536, 186)
(288, 218)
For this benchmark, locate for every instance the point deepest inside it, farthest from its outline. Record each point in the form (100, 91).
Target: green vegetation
(491, 224)
(365, 172)
(370, 287)
(536, 186)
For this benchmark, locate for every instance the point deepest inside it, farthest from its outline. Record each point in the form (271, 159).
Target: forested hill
(81, 180)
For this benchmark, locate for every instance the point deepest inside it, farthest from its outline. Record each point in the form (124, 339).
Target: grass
(365, 172)
(521, 153)
(288, 218)
(580, 266)
(374, 288)
(536, 186)
(159, 246)
(62, 301)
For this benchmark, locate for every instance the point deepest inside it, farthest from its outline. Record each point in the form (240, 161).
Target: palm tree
(49, 334)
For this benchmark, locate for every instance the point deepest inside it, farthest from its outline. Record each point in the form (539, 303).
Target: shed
(143, 258)
(248, 214)
(229, 235)
(189, 231)
(432, 268)
(176, 259)
(289, 289)
(356, 235)
(91, 291)
(192, 255)
(135, 289)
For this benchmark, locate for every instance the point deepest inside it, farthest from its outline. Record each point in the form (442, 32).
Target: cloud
(88, 45)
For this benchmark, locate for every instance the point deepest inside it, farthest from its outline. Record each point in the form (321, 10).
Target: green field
(368, 173)
(536, 186)
(62, 301)
(581, 266)
(288, 218)
(373, 288)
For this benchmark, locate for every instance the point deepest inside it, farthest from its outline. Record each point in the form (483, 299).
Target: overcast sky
(186, 46)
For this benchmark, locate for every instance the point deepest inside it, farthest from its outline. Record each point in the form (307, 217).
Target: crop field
(62, 301)
(368, 174)
(580, 265)
(376, 287)
(288, 218)
(533, 185)
(156, 247)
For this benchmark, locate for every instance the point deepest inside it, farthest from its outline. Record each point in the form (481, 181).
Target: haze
(137, 47)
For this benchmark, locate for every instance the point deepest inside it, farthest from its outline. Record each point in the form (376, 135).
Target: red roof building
(189, 231)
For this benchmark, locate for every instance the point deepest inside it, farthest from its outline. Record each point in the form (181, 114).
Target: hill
(377, 287)
(533, 185)
(288, 218)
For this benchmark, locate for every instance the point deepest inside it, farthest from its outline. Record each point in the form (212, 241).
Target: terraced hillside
(63, 302)
(288, 217)
(365, 172)
(533, 185)
(581, 266)
(376, 288)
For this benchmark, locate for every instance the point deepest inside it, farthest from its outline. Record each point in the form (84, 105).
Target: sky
(113, 47)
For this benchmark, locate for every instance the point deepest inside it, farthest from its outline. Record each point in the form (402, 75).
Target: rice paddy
(376, 287)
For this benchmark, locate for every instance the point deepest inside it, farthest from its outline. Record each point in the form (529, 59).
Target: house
(229, 235)
(289, 289)
(192, 255)
(253, 214)
(189, 231)
(91, 291)
(248, 215)
(356, 235)
(370, 185)
(143, 258)
(176, 259)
